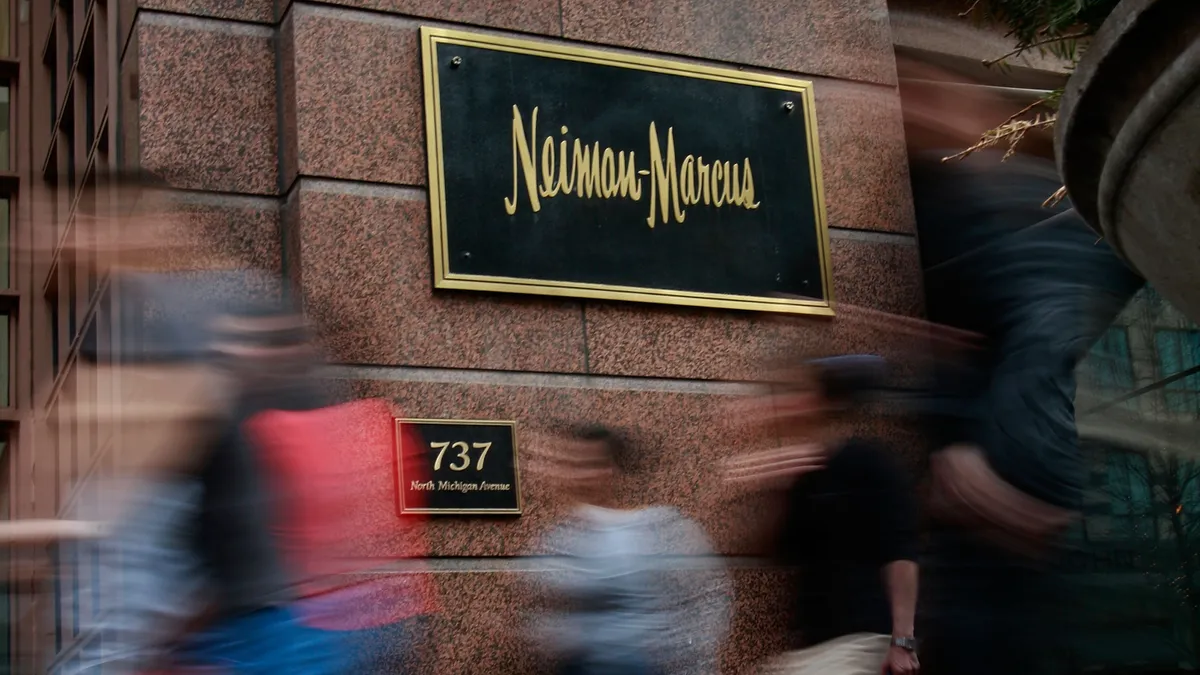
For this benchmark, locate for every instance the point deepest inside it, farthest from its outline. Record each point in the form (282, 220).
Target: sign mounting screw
(788, 106)
(455, 61)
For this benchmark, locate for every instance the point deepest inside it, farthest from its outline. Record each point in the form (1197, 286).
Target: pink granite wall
(300, 127)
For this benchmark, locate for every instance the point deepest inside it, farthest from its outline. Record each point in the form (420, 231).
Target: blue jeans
(631, 665)
(390, 649)
(267, 642)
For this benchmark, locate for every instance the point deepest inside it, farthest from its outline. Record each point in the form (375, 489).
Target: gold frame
(431, 38)
(399, 443)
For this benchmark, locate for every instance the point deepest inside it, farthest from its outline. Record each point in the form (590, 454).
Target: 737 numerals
(462, 449)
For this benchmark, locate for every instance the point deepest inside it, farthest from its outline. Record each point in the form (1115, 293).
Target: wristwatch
(908, 644)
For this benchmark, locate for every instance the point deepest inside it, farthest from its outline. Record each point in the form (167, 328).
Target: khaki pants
(857, 654)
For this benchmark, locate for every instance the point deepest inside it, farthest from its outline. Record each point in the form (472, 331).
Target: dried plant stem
(1034, 45)
(1023, 111)
(1054, 199)
(1010, 132)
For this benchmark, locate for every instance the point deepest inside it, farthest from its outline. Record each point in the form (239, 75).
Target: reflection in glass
(5, 91)
(4, 361)
(5, 27)
(72, 299)
(1113, 369)
(1134, 570)
(53, 95)
(6, 625)
(52, 312)
(1118, 484)
(1179, 350)
(5, 282)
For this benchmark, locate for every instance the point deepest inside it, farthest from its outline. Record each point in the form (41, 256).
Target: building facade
(294, 132)
(1133, 556)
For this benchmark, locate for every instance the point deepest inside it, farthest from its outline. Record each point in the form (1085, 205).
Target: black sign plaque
(568, 171)
(467, 467)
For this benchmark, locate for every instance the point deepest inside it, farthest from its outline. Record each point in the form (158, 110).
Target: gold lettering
(483, 455)
(631, 185)
(587, 170)
(702, 176)
(748, 187)
(725, 185)
(608, 170)
(462, 449)
(549, 188)
(735, 187)
(595, 171)
(687, 181)
(463, 454)
(522, 156)
(717, 174)
(565, 181)
(579, 165)
(664, 180)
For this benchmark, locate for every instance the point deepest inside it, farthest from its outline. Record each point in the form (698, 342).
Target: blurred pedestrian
(192, 573)
(1008, 473)
(625, 600)
(850, 522)
(1039, 286)
(255, 622)
(335, 469)
(148, 578)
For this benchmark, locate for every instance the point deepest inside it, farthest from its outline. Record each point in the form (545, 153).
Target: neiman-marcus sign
(559, 170)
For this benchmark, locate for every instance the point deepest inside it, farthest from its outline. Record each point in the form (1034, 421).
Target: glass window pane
(1190, 477)
(1139, 493)
(4, 384)
(5, 26)
(1177, 351)
(1118, 484)
(70, 136)
(1191, 353)
(52, 310)
(69, 31)
(1108, 365)
(5, 561)
(4, 120)
(53, 95)
(89, 108)
(1169, 358)
(5, 244)
(72, 300)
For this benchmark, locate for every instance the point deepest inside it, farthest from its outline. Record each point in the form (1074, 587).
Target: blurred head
(593, 457)
(808, 395)
(265, 343)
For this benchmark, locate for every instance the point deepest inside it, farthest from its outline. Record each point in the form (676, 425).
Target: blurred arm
(29, 532)
(899, 542)
(901, 579)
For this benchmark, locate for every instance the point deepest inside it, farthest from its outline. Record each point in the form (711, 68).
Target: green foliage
(1054, 26)
(1058, 27)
